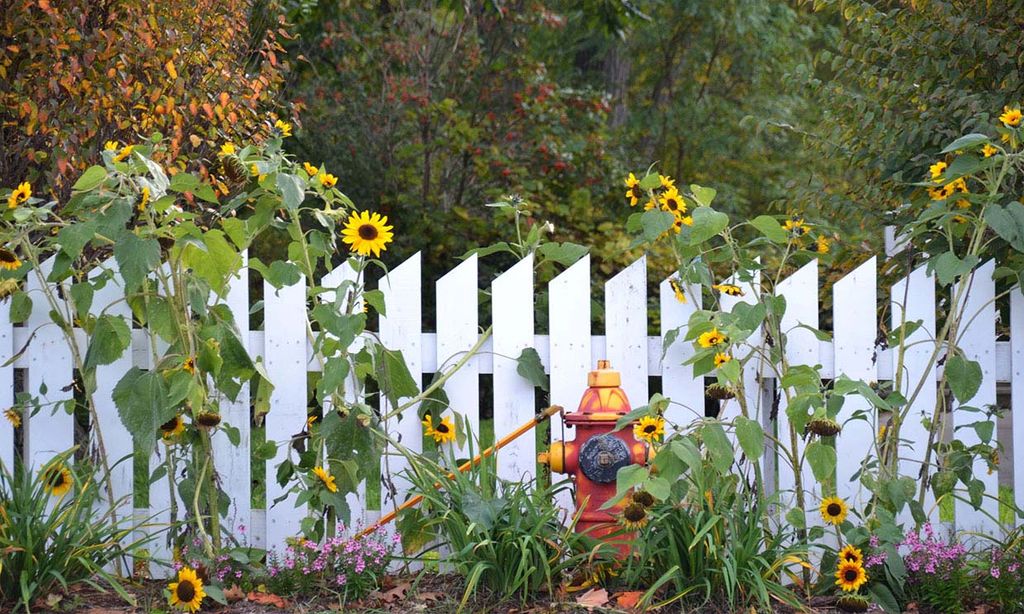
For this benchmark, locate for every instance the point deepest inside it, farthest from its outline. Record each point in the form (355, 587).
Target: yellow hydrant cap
(604, 376)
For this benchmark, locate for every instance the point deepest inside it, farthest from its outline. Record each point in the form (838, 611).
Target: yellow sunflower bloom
(173, 427)
(633, 192)
(667, 182)
(850, 577)
(634, 516)
(144, 200)
(111, 146)
(936, 170)
(649, 428)
(284, 127)
(227, 149)
(1011, 117)
(311, 170)
(13, 416)
(687, 220)
(9, 260)
(672, 202)
(730, 289)
(189, 364)
(796, 226)
(326, 478)
(851, 554)
(57, 480)
(833, 510)
(711, 338)
(822, 243)
(124, 153)
(721, 358)
(187, 593)
(20, 195)
(677, 289)
(367, 233)
(989, 150)
(327, 180)
(444, 432)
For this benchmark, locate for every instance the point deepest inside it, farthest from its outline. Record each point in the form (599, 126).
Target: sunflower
(189, 364)
(672, 202)
(284, 127)
(677, 289)
(327, 180)
(13, 416)
(633, 192)
(711, 338)
(936, 171)
(687, 220)
(825, 427)
(20, 194)
(851, 554)
(227, 149)
(667, 182)
(326, 478)
(311, 170)
(208, 419)
(634, 516)
(989, 150)
(111, 146)
(941, 192)
(124, 153)
(833, 510)
(721, 358)
(9, 260)
(649, 428)
(822, 244)
(642, 497)
(57, 480)
(960, 185)
(796, 226)
(173, 427)
(853, 603)
(444, 432)
(1011, 117)
(367, 233)
(144, 199)
(730, 289)
(719, 392)
(850, 576)
(187, 593)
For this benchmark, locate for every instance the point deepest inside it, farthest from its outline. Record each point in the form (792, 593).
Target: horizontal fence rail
(568, 352)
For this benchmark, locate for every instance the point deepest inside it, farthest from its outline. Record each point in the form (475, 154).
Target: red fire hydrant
(594, 458)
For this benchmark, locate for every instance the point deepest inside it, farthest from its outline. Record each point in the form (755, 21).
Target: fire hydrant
(595, 456)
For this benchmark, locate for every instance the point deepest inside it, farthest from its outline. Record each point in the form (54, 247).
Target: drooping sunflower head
(833, 510)
(711, 338)
(642, 497)
(634, 516)
(728, 289)
(57, 480)
(326, 478)
(20, 195)
(649, 428)
(208, 419)
(720, 392)
(850, 576)
(851, 554)
(173, 427)
(853, 603)
(9, 261)
(367, 233)
(824, 427)
(187, 593)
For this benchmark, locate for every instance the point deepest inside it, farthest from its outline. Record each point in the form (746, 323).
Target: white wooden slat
(51, 430)
(978, 342)
(286, 364)
(677, 381)
(117, 441)
(1017, 390)
(625, 310)
(854, 303)
(801, 293)
(234, 463)
(912, 299)
(569, 325)
(401, 330)
(6, 384)
(457, 332)
(514, 401)
(159, 517)
(753, 369)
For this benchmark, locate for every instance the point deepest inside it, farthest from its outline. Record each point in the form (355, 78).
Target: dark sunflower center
(56, 479)
(650, 428)
(170, 425)
(186, 591)
(442, 428)
(634, 513)
(850, 556)
(833, 509)
(368, 232)
(850, 575)
(7, 255)
(672, 204)
(637, 192)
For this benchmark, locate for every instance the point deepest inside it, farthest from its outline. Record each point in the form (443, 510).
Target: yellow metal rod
(504, 441)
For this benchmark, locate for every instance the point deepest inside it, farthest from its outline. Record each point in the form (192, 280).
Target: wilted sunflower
(825, 427)
(326, 478)
(719, 392)
(729, 289)
(850, 576)
(649, 428)
(711, 338)
(208, 419)
(853, 603)
(187, 593)
(642, 497)
(13, 416)
(634, 516)
(9, 260)
(851, 554)
(367, 233)
(833, 510)
(173, 427)
(57, 480)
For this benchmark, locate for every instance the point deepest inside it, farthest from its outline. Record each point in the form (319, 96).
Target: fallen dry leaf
(594, 598)
(628, 599)
(429, 596)
(234, 593)
(268, 599)
(396, 593)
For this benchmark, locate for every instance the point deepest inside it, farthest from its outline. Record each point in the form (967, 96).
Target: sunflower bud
(853, 603)
(823, 427)
(720, 392)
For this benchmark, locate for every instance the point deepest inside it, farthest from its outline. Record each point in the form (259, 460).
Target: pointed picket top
(978, 342)
(801, 292)
(625, 305)
(338, 275)
(854, 304)
(677, 381)
(514, 401)
(457, 332)
(569, 337)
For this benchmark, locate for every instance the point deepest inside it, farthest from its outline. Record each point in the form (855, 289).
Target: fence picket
(753, 369)
(286, 363)
(514, 403)
(854, 297)
(1017, 391)
(978, 342)
(625, 308)
(457, 332)
(51, 430)
(913, 299)
(7, 350)
(677, 381)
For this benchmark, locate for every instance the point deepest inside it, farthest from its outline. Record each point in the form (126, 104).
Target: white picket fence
(568, 353)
